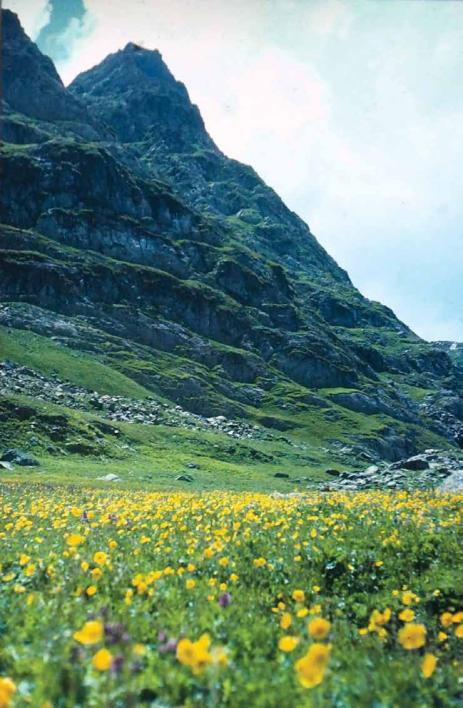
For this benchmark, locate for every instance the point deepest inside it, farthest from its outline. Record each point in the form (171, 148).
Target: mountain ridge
(129, 236)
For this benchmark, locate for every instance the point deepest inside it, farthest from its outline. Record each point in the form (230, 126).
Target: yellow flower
(102, 660)
(139, 649)
(30, 570)
(223, 561)
(91, 633)
(190, 584)
(7, 691)
(85, 566)
(195, 654)
(100, 558)
(303, 612)
(288, 643)
(319, 628)
(259, 562)
(407, 615)
(74, 539)
(379, 619)
(442, 636)
(185, 651)
(457, 617)
(299, 595)
(412, 636)
(446, 619)
(91, 590)
(311, 668)
(459, 631)
(408, 598)
(428, 665)
(286, 620)
(24, 559)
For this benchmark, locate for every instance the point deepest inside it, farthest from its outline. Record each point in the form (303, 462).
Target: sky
(352, 110)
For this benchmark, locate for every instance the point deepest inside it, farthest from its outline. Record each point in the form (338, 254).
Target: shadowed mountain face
(127, 234)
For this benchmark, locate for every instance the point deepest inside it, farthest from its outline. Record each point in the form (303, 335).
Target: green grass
(43, 355)
(148, 455)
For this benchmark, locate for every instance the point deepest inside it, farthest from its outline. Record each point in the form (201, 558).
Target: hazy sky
(351, 109)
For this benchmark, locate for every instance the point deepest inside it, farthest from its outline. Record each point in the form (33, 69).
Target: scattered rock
(6, 465)
(416, 463)
(110, 478)
(453, 483)
(416, 472)
(289, 495)
(372, 469)
(184, 478)
(20, 379)
(281, 475)
(19, 457)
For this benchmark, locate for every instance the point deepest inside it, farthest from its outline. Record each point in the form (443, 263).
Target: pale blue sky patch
(66, 23)
(351, 109)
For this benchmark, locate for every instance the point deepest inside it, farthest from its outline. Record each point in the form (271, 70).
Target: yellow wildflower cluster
(199, 655)
(176, 597)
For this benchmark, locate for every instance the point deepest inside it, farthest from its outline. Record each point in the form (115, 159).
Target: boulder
(414, 464)
(19, 457)
(281, 475)
(372, 469)
(453, 483)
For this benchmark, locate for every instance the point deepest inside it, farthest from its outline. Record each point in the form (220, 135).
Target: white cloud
(332, 17)
(34, 14)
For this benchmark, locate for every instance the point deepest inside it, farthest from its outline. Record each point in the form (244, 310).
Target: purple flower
(116, 666)
(225, 599)
(115, 633)
(170, 646)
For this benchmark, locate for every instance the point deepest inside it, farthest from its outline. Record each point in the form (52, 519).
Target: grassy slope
(42, 354)
(153, 456)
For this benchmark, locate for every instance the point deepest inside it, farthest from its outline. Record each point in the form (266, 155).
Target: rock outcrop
(126, 232)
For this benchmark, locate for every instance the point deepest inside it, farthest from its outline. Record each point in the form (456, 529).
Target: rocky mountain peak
(190, 275)
(133, 92)
(31, 84)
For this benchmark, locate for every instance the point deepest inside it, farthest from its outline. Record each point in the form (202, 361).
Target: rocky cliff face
(122, 221)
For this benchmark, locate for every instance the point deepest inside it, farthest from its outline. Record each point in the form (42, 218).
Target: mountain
(133, 250)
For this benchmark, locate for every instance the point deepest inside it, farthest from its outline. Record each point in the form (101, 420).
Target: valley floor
(128, 597)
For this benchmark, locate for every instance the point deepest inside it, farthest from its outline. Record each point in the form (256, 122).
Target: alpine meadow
(227, 477)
